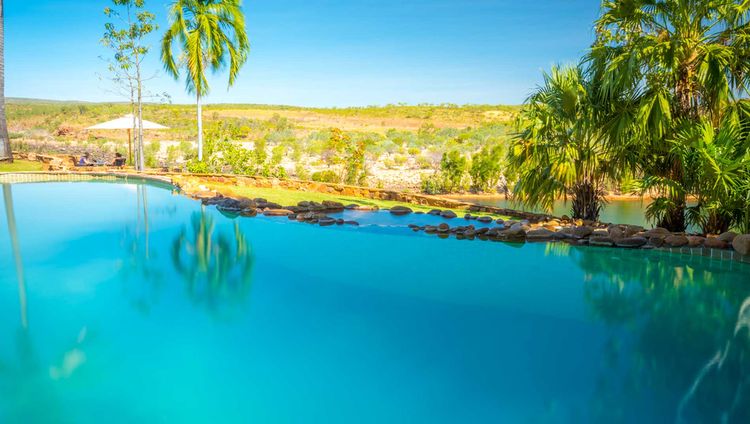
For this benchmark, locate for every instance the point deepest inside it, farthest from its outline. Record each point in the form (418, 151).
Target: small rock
(435, 212)
(443, 228)
(485, 219)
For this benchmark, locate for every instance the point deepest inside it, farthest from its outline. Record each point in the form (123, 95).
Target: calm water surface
(131, 304)
(619, 211)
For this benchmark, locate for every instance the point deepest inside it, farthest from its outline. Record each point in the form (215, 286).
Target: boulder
(631, 230)
(600, 232)
(277, 212)
(695, 241)
(582, 232)
(443, 228)
(600, 240)
(333, 206)
(400, 210)
(366, 208)
(616, 233)
(435, 212)
(540, 234)
(485, 219)
(448, 214)
(631, 242)
(715, 243)
(512, 234)
(657, 232)
(676, 240)
(269, 205)
(728, 237)
(325, 222)
(656, 242)
(741, 244)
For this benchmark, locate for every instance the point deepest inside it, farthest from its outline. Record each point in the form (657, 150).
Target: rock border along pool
(522, 228)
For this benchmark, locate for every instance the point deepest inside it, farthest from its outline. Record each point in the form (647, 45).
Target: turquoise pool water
(138, 305)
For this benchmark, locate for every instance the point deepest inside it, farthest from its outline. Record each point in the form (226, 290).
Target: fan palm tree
(559, 150)
(211, 35)
(663, 65)
(5, 152)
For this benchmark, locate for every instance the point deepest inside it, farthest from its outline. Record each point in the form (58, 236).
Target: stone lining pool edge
(531, 227)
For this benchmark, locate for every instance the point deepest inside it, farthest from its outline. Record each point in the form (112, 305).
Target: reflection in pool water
(145, 307)
(619, 211)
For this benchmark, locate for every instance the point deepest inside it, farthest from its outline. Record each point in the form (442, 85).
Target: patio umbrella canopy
(126, 123)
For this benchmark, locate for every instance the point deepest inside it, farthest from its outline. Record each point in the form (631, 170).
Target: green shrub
(486, 168)
(326, 177)
(432, 184)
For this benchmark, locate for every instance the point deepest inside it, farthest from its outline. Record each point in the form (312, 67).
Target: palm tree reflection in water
(31, 382)
(667, 317)
(216, 268)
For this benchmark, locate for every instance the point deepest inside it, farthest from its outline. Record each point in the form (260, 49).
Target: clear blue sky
(322, 52)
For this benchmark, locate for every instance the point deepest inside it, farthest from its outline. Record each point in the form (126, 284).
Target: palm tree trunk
(200, 128)
(139, 93)
(5, 152)
(16, 246)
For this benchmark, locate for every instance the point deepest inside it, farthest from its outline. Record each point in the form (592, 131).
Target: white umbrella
(126, 123)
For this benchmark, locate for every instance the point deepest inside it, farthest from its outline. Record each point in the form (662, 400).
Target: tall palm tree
(665, 64)
(5, 152)
(559, 149)
(211, 34)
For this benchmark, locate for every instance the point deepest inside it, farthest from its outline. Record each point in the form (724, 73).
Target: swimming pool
(135, 304)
